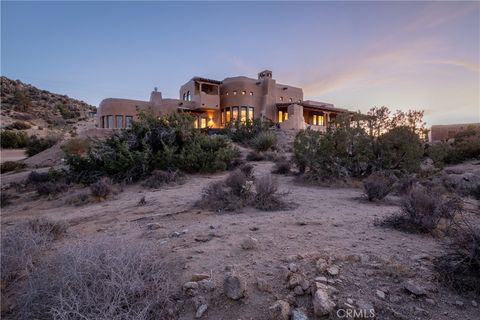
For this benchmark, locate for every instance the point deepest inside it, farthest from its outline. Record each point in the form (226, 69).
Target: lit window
(226, 93)
(244, 93)
(235, 113)
(321, 120)
(314, 119)
(119, 121)
(285, 116)
(250, 114)
(227, 115)
(195, 123)
(243, 114)
(281, 98)
(280, 115)
(203, 122)
(291, 100)
(251, 93)
(234, 93)
(128, 121)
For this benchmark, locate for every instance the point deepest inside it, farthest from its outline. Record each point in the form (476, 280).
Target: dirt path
(12, 155)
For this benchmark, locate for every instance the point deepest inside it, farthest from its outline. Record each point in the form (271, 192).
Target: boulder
(299, 314)
(414, 288)
(201, 310)
(233, 286)
(322, 303)
(190, 288)
(280, 310)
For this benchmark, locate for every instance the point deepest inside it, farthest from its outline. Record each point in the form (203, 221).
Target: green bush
(264, 141)
(21, 100)
(438, 152)
(13, 139)
(36, 145)
(245, 132)
(166, 143)
(67, 112)
(465, 146)
(8, 166)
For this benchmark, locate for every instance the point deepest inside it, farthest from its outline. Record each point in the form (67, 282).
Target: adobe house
(449, 131)
(215, 103)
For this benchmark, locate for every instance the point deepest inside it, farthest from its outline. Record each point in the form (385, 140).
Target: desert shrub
(8, 166)
(438, 152)
(76, 146)
(405, 184)
(255, 156)
(377, 186)
(466, 146)
(51, 229)
(37, 145)
(459, 267)
(67, 112)
(78, 199)
(237, 182)
(266, 197)
(282, 167)
(422, 210)
(244, 132)
(18, 125)
(216, 196)
(101, 189)
(159, 178)
(51, 188)
(165, 143)
(21, 100)
(13, 139)
(264, 141)
(247, 170)
(101, 279)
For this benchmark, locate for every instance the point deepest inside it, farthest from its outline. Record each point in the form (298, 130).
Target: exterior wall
(445, 132)
(295, 118)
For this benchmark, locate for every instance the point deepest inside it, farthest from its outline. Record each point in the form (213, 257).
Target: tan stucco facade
(215, 103)
(448, 131)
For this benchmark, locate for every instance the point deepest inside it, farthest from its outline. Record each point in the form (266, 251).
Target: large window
(128, 121)
(321, 120)
(318, 120)
(118, 121)
(110, 122)
(228, 117)
(243, 114)
(102, 122)
(235, 113)
(189, 96)
(203, 122)
(282, 115)
(250, 114)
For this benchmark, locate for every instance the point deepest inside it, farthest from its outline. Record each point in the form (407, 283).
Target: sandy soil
(334, 223)
(12, 155)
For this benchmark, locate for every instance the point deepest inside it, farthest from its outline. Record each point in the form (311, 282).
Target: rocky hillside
(40, 109)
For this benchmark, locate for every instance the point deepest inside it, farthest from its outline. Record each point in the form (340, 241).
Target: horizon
(354, 55)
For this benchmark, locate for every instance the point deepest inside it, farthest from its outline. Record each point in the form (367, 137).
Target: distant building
(215, 103)
(448, 131)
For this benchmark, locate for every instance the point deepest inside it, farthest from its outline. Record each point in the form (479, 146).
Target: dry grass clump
(101, 189)
(8, 166)
(423, 210)
(52, 229)
(51, 188)
(377, 186)
(255, 156)
(282, 166)
(266, 197)
(159, 178)
(247, 169)
(78, 199)
(113, 279)
(460, 267)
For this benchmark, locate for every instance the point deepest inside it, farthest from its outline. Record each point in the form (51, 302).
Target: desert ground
(335, 225)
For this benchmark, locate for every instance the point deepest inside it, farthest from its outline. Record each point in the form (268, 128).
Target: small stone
(154, 226)
(190, 288)
(263, 285)
(430, 301)
(233, 286)
(414, 288)
(214, 226)
(322, 304)
(333, 270)
(206, 285)
(294, 280)
(321, 279)
(419, 257)
(201, 310)
(249, 243)
(293, 267)
(349, 301)
(299, 314)
(298, 291)
(175, 234)
(200, 276)
(321, 265)
(474, 303)
(280, 310)
(380, 294)
(459, 303)
(203, 238)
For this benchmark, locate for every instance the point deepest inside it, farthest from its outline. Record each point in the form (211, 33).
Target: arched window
(189, 96)
(184, 96)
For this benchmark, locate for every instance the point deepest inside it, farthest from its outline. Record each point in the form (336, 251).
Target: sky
(356, 55)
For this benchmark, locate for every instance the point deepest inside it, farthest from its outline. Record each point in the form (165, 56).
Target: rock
(414, 288)
(175, 234)
(419, 257)
(459, 303)
(203, 238)
(206, 285)
(200, 276)
(201, 310)
(233, 286)
(280, 310)
(333, 270)
(190, 288)
(321, 265)
(263, 285)
(322, 304)
(154, 226)
(321, 279)
(430, 301)
(305, 285)
(427, 165)
(293, 267)
(249, 243)
(294, 279)
(298, 291)
(380, 294)
(299, 314)
(349, 301)
(474, 303)
(214, 226)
